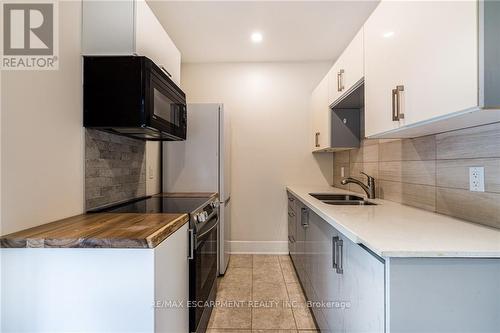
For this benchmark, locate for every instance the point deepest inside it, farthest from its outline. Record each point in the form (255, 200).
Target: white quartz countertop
(394, 230)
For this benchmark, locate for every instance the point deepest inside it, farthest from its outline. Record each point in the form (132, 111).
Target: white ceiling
(219, 31)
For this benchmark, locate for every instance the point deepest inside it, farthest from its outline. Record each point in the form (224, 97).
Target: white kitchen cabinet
(96, 289)
(334, 87)
(348, 71)
(330, 131)
(423, 67)
(126, 28)
(171, 281)
(321, 116)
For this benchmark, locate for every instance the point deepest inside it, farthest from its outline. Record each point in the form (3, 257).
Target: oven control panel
(207, 211)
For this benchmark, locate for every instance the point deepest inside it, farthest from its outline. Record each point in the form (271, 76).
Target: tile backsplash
(432, 172)
(114, 168)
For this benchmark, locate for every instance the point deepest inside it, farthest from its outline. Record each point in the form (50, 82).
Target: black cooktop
(156, 205)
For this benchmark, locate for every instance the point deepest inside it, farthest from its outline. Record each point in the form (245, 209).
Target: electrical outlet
(151, 172)
(342, 173)
(476, 179)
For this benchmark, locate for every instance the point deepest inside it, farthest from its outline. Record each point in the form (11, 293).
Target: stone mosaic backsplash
(432, 172)
(115, 168)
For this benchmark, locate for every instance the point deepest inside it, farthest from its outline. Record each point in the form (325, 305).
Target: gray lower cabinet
(292, 225)
(293, 244)
(352, 290)
(324, 283)
(347, 281)
(362, 285)
(301, 259)
(343, 282)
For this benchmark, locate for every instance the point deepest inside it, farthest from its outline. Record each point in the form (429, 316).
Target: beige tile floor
(260, 293)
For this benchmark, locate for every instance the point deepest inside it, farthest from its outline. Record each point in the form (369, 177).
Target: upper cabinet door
(125, 28)
(441, 70)
(348, 70)
(421, 62)
(153, 41)
(321, 116)
(384, 62)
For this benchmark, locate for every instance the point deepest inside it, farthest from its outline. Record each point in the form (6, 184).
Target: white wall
(42, 136)
(268, 103)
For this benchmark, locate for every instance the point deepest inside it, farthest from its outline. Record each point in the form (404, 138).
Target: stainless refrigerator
(202, 163)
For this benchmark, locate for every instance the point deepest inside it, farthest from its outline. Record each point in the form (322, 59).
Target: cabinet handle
(342, 80)
(316, 139)
(340, 263)
(304, 217)
(399, 89)
(394, 112)
(291, 199)
(291, 214)
(334, 251)
(397, 115)
(191, 244)
(165, 70)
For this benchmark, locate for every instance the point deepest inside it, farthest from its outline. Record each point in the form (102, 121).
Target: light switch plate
(342, 173)
(151, 172)
(476, 179)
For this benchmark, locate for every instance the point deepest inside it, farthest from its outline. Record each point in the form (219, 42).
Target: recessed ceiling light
(388, 34)
(256, 37)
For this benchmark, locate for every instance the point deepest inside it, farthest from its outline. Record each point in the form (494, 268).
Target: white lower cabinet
(96, 290)
(171, 281)
(353, 290)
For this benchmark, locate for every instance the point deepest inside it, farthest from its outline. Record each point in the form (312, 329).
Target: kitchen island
(99, 272)
(393, 268)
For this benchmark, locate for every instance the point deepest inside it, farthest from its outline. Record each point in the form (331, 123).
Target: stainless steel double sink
(341, 199)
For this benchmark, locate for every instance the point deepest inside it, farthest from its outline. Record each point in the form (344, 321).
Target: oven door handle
(191, 244)
(208, 231)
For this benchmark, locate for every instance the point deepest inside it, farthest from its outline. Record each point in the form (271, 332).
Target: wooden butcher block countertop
(99, 230)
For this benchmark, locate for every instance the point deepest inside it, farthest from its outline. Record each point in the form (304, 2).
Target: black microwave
(132, 96)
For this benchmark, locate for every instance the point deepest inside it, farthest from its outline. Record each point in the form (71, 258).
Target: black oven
(130, 95)
(203, 271)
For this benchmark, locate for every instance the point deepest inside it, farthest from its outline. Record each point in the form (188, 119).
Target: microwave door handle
(165, 70)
